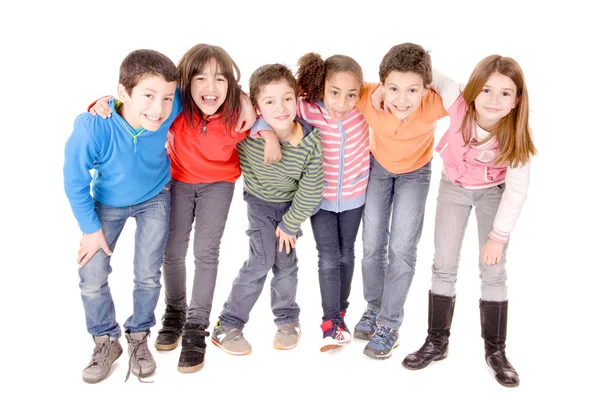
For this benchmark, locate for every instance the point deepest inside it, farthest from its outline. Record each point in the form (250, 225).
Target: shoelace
(382, 334)
(339, 335)
(135, 357)
(101, 354)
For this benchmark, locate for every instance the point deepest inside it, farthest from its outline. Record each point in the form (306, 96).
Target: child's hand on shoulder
(247, 115)
(272, 147)
(377, 99)
(491, 252)
(89, 245)
(101, 107)
(284, 239)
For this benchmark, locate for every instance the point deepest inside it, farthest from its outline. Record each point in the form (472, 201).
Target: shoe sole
(280, 347)
(219, 345)
(167, 347)
(193, 368)
(424, 366)
(329, 347)
(92, 381)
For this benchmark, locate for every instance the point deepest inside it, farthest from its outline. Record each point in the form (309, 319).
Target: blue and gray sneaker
(365, 328)
(384, 341)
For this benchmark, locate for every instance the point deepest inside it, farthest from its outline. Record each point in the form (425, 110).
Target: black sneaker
(168, 336)
(193, 348)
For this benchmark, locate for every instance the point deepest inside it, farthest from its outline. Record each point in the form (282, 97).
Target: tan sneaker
(287, 336)
(231, 340)
(141, 362)
(105, 354)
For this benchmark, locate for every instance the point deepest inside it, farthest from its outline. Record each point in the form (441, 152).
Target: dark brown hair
(140, 63)
(193, 62)
(268, 74)
(407, 57)
(313, 72)
(512, 132)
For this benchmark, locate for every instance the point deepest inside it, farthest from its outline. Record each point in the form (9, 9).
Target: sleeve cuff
(259, 125)
(497, 236)
(285, 228)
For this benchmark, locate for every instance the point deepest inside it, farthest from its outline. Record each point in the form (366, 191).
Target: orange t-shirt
(402, 146)
(208, 157)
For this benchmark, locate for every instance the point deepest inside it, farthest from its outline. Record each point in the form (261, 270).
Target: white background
(57, 57)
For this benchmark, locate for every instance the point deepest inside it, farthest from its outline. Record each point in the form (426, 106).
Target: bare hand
(491, 252)
(377, 99)
(101, 107)
(89, 245)
(272, 147)
(284, 238)
(247, 114)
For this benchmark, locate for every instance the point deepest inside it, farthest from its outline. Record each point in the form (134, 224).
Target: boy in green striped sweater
(280, 197)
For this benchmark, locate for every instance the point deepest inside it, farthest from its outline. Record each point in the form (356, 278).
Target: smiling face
(209, 88)
(341, 93)
(403, 93)
(276, 103)
(149, 103)
(495, 101)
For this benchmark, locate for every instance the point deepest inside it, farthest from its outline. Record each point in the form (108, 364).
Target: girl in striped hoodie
(329, 91)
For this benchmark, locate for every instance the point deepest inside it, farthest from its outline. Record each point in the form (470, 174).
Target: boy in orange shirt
(400, 172)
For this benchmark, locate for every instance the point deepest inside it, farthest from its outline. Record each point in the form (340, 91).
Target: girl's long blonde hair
(512, 132)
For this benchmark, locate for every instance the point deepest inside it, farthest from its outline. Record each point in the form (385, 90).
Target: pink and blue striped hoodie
(345, 155)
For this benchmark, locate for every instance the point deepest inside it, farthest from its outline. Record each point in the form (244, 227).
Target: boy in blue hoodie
(131, 174)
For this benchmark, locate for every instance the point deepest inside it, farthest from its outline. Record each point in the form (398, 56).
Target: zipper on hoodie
(341, 166)
(203, 129)
(134, 136)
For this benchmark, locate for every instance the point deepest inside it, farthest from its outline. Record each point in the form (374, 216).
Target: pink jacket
(469, 166)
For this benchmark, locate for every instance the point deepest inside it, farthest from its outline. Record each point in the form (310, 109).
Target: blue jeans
(390, 250)
(264, 256)
(335, 234)
(152, 220)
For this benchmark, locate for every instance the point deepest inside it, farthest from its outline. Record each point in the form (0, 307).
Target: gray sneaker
(287, 336)
(141, 362)
(105, 354)
(231, 340)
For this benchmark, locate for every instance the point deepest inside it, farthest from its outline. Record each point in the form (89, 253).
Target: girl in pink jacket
(486, 153)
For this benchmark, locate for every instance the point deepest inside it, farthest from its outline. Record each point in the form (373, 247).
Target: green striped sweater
(297, 177)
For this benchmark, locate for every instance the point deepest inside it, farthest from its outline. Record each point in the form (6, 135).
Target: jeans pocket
(257, 248)
(166, 188)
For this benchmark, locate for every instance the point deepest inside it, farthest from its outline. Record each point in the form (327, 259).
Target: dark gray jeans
(263, 219)
(207, 204)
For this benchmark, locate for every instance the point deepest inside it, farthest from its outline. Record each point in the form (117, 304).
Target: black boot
(441, 309)
(168, 336)
(193, 348)
(493, 331)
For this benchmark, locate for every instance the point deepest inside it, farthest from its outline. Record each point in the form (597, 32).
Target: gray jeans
(207, 204)
(264, 256)
(454, 206)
